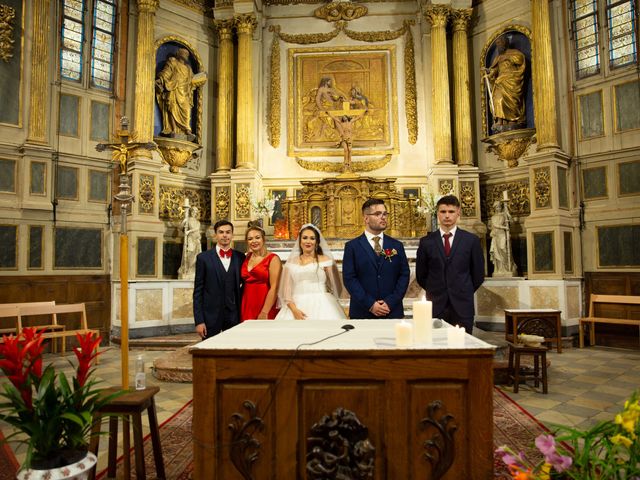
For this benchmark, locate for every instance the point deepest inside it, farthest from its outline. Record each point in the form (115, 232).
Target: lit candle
(186, 202)
(455, 336)
(505, 195)
(422, 320)
(404, 334)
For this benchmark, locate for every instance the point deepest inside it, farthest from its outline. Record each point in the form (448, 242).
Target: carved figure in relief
(318, 126)
(500, 251)
(192, 246)
(505, 77)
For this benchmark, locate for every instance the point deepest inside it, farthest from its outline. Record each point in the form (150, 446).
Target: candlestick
(404, 334)
(505, 195)
(422, 321)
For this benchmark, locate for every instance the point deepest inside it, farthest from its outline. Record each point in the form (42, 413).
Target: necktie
(447, 243)
(376, 245)
(225, 253)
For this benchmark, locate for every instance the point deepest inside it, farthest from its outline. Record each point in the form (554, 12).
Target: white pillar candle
(404, 334)
(422, 321)
(505, 195)
(455, 336)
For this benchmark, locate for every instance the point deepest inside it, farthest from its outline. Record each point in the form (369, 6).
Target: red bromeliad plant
(53, 413)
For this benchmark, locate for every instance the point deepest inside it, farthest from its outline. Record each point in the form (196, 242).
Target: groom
(375, 269)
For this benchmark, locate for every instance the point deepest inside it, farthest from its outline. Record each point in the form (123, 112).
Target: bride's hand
(298, 314)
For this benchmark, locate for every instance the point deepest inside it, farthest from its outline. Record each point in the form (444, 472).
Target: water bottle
(141, 379)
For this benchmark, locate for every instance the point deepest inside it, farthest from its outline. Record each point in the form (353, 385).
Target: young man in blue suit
(375, 268)
(217, 289)
(450, 266)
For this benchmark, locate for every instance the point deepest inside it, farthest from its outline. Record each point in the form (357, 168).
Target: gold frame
(21, 69)
(393, 148)
(553, 252)
(606, 183)
(91, 138)
(53, 250)
(77, 197)
(44, 180)
(108, 190)
(155, 258)
(579, 119)
(15, 177)
(615, 109)
(17, 259)
(270, 192)
(619, 194)
(41, 247)
(597, 252)
(79, 97)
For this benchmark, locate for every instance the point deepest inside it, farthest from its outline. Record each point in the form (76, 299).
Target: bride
(310, 283)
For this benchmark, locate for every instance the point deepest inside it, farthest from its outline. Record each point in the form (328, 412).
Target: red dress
(256, 287)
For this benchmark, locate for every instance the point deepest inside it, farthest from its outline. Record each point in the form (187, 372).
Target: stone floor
(585, 385)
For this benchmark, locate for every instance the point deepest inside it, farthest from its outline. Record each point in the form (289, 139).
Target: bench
(19, 320)
(56, 329)
(12, 312)
(624, 300)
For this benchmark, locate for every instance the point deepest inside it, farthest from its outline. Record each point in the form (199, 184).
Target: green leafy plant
(610, 450)
(54, 414)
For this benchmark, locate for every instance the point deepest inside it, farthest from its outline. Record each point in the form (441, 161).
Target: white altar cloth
(299, 334)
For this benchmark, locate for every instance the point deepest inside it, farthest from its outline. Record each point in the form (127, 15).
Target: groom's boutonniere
(387, 253)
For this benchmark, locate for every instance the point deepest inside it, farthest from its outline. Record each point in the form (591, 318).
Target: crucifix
(343, 121)
(121, 153)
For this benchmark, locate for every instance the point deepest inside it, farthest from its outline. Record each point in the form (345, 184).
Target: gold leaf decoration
(274, 97)
(172, 199)
(410, 102)
(7, 20)
(335, 11)
(337, 167)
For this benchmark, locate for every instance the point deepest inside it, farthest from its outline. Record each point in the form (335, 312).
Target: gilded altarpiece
(357, 82)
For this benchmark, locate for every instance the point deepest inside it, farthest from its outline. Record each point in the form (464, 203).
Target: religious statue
(505, 79)
(500, 251)
(192, 246)
(174, 93)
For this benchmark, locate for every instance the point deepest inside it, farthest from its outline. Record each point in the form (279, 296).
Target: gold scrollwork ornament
(7, 20)
(336, 11)
(337, 167)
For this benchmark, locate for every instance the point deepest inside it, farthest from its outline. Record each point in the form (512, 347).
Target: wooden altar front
(334, 205)
(264, 394)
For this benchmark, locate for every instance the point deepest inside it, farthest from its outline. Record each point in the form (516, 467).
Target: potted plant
(610, 450)
(54, 414)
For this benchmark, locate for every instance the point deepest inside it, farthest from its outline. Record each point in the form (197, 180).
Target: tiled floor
(585, 385)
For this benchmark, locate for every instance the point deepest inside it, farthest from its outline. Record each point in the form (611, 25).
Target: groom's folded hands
(380, 308)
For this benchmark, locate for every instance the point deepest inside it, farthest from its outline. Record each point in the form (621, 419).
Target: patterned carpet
(513, 426)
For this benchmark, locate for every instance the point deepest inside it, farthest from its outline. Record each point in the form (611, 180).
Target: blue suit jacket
(453, 279)
(208, 291)
(369, 277)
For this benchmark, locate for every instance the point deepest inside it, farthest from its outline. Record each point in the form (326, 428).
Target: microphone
(347, 327)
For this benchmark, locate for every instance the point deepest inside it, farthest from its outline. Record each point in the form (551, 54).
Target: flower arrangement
(387, 253)
(610, 450)
(55, 414)
(429, 203)
(266, 207)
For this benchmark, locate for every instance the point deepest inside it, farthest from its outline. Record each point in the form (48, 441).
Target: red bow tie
(225, 253)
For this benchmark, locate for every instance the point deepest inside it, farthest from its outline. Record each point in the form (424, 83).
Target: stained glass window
(72, 40)
(622, 32)
(104, 20)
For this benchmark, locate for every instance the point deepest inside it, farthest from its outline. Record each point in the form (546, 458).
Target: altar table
(264, 391)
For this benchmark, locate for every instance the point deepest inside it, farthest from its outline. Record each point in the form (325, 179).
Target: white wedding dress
(306, 286)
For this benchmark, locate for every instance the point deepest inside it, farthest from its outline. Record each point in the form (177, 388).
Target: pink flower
(547, 446)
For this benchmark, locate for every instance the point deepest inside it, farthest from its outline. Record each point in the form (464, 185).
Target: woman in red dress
(261, 274)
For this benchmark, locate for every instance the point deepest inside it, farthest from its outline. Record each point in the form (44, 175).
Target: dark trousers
(450, 316)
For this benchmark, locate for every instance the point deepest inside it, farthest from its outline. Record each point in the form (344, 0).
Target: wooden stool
(539, 371)
(129, 405)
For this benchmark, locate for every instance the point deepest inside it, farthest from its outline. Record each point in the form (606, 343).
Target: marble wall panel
(148, 305)
(171, 259)
(618, 246)
(98, 186)
(7, 175)
(543, 253)
(591, 119)
(100, 118)
(182, 303)
(34, 259)
(594, 182)
(67, 183)
(69, 115)
(627, 106)
(9, 250)
(544, 297)
(573, 302)
(492, 300)
(629, 178)
(37, 178)
(77, 248)
(146, 256)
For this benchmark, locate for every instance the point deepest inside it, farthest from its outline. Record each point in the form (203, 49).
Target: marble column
(437, 16)
(145, 73)
(544, 86)
(461, 87)
(245, 117)
(38, 95)
(225, 96)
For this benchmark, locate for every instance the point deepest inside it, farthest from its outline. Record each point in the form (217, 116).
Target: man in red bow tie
(217, 288)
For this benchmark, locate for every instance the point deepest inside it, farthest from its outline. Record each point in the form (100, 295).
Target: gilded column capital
(460, 18)
(147, 6)
(437, 14)
(224, 28)
(245, 23)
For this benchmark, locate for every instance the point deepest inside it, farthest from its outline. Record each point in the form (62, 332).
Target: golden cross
(347, 111)
(121, 150)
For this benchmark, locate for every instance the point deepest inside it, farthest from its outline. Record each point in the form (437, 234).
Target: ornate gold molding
(337, 167)
(222, 203)
(542, 185)
(510, 146)
(460, 18)
(437, 15)
(410, 101)
(147, 6)
(39, 71)
(446, 186)
(7, 20)
(336, 11)
(245, 23)
(146, 193)
(243, 201)
(196, 5)
(172, 199)
(518, 192)
(468, 199)
(274, 94)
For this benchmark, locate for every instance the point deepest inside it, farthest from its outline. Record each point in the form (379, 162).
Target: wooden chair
(12, 312)
(539, 354)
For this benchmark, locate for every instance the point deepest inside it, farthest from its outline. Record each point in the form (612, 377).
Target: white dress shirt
(453, 235)
(370, 236)
(226, 261)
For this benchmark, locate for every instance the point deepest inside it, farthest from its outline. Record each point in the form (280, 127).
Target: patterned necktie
(447, 243)
(376, 245)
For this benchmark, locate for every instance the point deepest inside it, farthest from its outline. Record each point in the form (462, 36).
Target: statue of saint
(174, 92)
(192, 246)
(500, 251)
(506, 87)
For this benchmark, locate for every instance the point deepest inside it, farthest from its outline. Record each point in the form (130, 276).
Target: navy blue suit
(217, 293)
(369, 277)
(450, 282)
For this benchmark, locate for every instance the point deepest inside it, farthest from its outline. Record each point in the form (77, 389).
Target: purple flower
(559, 462)
(508, 457)
(546, 444)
